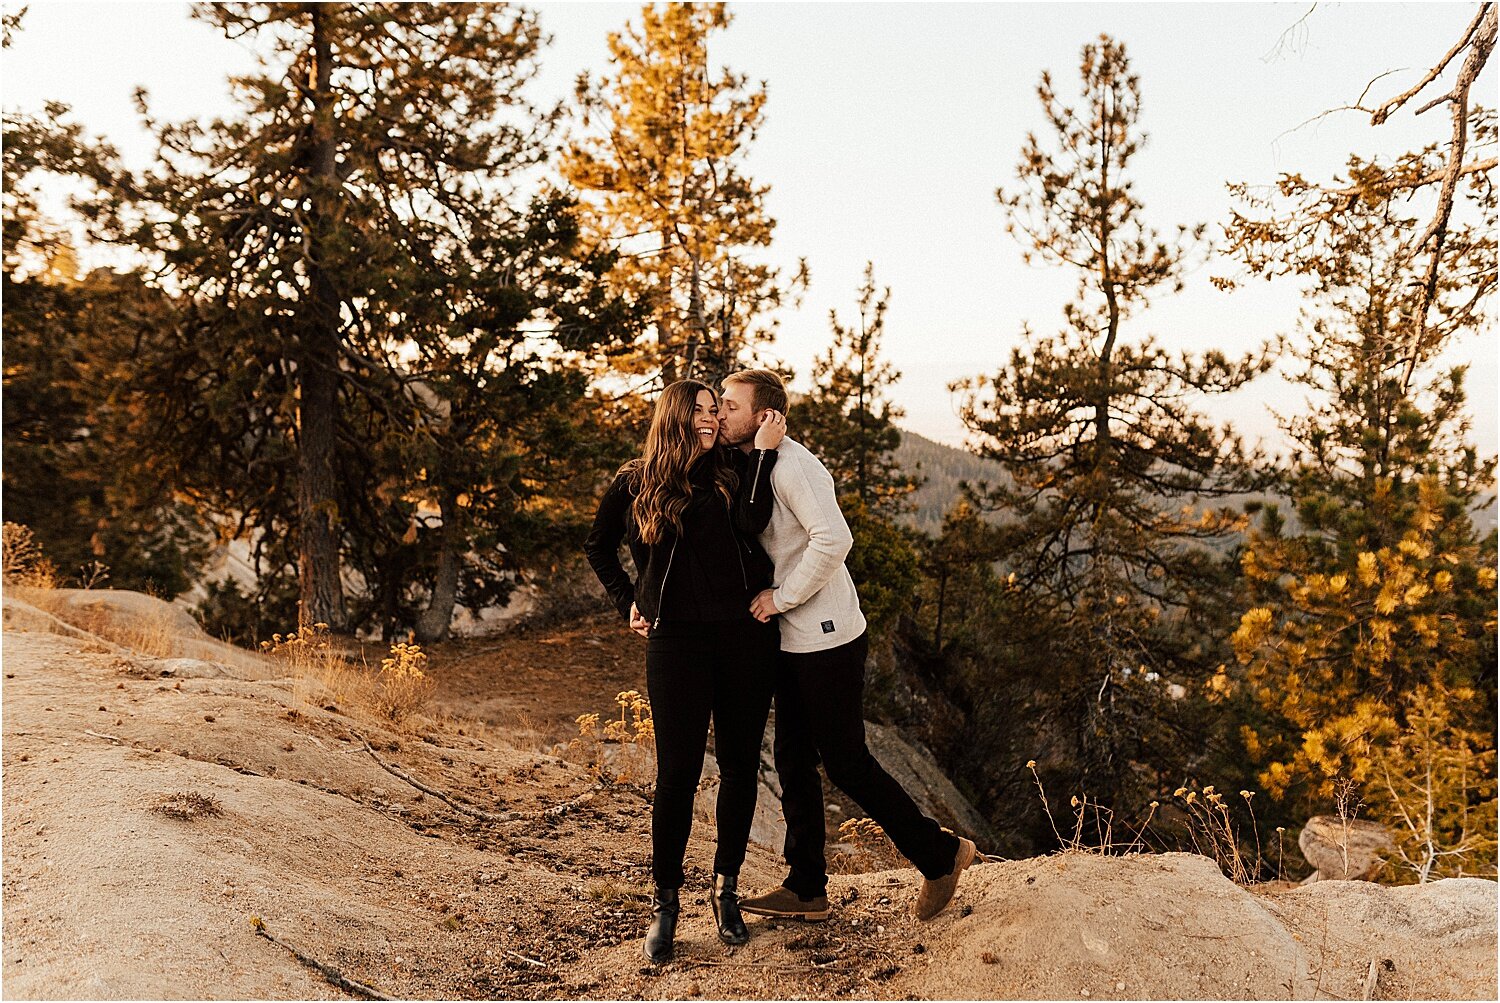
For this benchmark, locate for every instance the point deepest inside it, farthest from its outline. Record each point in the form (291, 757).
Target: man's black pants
(820, 716)
(694, 671)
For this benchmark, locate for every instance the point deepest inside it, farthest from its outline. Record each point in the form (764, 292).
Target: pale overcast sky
(888, 128)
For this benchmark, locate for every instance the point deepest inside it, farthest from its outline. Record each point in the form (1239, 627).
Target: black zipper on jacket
(662, 595)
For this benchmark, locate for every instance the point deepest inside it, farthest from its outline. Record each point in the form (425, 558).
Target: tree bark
(436, 621)
(322, 598)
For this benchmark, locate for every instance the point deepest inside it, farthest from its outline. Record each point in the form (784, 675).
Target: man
(820, 676)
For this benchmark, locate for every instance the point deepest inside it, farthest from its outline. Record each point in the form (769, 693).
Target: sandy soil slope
(105, 897)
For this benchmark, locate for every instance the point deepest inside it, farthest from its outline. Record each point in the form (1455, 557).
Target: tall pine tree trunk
(433, 625)
(322, 599)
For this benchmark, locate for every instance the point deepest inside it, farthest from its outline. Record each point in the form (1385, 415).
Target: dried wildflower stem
(1046, 807)
(396, 771)
(331, 974)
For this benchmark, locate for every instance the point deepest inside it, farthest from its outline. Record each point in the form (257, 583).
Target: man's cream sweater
(807, 540)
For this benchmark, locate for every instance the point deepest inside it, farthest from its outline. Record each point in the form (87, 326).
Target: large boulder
(1343, 849)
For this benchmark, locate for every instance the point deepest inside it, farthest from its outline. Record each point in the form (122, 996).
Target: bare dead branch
(1287, 40)
(1379, 115)
(1480, 41)
(396, 771)
(331, 974)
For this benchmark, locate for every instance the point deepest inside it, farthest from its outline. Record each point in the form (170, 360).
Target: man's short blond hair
(766, 388)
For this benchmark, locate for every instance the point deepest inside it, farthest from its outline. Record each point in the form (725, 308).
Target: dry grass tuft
(324, 676)
(320, 672)
(616, 891)
(187, 805)
(870, 849)
(21, 559)
(1211, 829)
(153, 634)
(624, 749)
(402, 687)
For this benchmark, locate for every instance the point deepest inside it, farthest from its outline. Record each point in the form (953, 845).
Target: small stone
(1120, 986)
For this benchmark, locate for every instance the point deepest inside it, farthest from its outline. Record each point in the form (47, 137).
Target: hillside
(283, 814)
(946, 467)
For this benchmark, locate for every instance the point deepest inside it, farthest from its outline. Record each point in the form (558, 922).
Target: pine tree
(1369, 647)
(1120, 568)
(660, 159)
(361, 287)
(70, 344)
(847, 419)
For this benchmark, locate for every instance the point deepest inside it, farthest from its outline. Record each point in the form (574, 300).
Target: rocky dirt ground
(283, 814)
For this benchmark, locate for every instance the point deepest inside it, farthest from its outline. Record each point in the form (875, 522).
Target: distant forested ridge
(942, 470)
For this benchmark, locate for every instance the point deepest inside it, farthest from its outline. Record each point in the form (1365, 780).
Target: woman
(691, 511)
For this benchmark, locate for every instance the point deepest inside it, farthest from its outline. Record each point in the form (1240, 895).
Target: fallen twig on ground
(331, 974)
(107, 738)
(555, 811)
(529, 961)
(779, 966)
(396, 771)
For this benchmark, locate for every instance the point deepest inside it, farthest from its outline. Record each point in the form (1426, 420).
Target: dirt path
(106, 897)
(531, 685)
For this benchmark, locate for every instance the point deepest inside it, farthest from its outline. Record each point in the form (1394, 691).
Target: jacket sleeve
(754, 500)
(806, 489)
(603, 546)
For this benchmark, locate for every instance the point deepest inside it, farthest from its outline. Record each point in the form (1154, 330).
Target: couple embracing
(743, 596)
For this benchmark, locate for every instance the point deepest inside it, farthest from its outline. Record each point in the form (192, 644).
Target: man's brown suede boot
(783, 902)
(936, 893)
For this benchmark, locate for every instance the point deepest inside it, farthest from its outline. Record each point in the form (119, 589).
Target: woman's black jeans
(696, 670)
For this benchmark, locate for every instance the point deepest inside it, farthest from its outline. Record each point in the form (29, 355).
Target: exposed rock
(915, 769)
(131, 622)
(189, 668)
(1341, 849)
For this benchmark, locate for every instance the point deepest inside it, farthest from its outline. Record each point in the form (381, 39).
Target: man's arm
(808, 494)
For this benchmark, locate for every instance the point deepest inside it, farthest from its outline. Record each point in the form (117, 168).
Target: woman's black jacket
(722, 539)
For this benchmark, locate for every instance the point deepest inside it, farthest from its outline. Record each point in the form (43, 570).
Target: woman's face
(706, 420)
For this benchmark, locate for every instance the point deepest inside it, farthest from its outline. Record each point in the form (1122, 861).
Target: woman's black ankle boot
(663, 926)
(726, 900)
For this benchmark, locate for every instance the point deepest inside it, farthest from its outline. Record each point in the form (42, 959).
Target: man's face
(738, 419)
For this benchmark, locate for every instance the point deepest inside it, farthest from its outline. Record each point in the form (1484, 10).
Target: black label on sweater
(828, 626)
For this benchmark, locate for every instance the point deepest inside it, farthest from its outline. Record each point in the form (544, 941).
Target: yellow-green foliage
(1436, 781)
(634, 731)
(22, 560)
(1370, 664)
(402, 684)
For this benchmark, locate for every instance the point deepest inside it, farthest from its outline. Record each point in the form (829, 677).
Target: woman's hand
(638, 623)
(772, 430)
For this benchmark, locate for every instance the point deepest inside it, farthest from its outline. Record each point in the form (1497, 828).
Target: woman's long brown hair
(660, 476)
